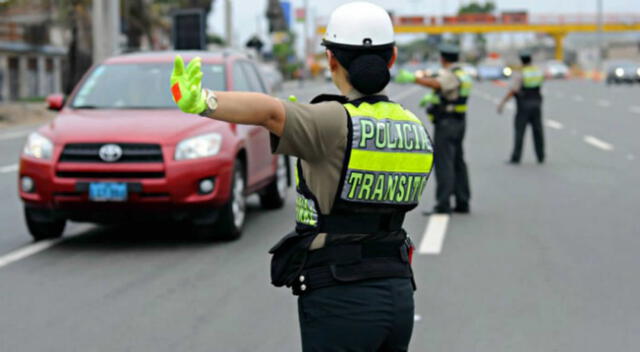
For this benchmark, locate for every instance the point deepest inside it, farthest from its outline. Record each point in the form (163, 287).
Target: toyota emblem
(110, 152)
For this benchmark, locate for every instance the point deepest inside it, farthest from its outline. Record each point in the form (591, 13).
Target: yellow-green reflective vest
(388, 160)
(532, 77)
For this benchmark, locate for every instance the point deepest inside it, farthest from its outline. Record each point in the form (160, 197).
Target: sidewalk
(17, 114)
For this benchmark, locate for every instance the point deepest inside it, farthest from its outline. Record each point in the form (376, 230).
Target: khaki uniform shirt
(317, 134)
(516, 81)
(449, 83)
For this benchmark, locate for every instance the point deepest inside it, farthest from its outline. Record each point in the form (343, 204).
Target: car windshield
(136, 86)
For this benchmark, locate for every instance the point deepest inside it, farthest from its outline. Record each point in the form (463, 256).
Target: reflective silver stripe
(306, 211)
(388, 135)
(383, 187)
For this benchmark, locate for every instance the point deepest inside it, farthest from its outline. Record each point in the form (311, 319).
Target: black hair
(368, 70)
(450, 57)
(525, 60)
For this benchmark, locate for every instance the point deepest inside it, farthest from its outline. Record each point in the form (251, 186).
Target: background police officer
(525, 86)
(363, 163)
(448, 113)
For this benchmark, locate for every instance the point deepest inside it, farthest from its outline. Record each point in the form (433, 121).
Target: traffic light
(188, 31)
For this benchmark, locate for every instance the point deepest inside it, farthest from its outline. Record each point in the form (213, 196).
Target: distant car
(120, 151)
(471, 70)
(622, 71)
(327, 75)
(493, 70)
(272, 76)
(423, 69)
(556, 70)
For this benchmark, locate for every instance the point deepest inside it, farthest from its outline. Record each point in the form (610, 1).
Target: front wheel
(275, 194)
(42, 225)
(234, 213)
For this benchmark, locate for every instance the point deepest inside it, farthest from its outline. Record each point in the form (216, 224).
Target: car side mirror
(55, 102)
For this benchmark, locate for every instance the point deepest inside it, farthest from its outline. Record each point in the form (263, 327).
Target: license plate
(108, 191)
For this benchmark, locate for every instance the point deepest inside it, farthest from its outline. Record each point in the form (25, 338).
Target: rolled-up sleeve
(311, 130)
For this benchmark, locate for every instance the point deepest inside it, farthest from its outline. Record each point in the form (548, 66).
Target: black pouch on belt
(288, 257)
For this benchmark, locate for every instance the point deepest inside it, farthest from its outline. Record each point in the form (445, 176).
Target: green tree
(475, 7)
(478, 8)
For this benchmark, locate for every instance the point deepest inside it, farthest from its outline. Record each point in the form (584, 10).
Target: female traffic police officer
(363, 163)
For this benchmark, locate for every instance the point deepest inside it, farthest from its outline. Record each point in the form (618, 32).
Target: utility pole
(306, 30)
(599, 35)
(228, 22)
(106, 28)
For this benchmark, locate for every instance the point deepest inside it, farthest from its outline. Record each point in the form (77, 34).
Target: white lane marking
(12, 135)
(27, 251)
(631, 156)
(634, 109)
(434, 234)
(417, 317)
(406, 93)
(578, 98)
(598, 143)
(554, 124)
(604, 103)
(8, 168)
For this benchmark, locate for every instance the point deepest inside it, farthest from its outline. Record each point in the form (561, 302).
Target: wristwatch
(210, 101)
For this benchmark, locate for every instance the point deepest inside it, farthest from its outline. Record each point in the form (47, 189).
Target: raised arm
(236, 107)
(405, 76)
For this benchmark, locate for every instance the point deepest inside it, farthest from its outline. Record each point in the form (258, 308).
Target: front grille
(99, 174)
(131, 153)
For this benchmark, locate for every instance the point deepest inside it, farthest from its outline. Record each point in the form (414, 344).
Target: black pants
(365, 316)
(529, 112)
(451, 170)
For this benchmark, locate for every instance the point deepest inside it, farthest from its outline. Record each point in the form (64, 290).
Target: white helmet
(359, 24)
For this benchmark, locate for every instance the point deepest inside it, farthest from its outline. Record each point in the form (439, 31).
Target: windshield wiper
(85, 107)
(144, 107)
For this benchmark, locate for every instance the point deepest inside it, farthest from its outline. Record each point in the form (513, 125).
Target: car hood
(165, 127)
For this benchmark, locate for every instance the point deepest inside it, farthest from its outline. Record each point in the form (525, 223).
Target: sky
(248, 15)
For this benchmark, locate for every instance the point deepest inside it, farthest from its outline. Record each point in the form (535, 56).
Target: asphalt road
(547, 261)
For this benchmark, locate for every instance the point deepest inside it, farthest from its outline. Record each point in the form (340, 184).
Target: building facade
(31, 51)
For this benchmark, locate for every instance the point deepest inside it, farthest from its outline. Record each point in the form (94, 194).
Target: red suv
(121, 151)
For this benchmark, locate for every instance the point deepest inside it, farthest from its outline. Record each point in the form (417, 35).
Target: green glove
(425, 100)
(405, 76)
(186, 86)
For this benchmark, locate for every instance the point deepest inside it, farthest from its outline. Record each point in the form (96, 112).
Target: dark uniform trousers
(451, 170)
(364, 316)
(529, 112)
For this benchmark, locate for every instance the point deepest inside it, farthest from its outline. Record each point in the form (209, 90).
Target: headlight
(507, 71)
(199, 147)
(619, 72)
(38, 146)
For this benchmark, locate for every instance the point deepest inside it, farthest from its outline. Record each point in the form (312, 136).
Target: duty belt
(347, 263)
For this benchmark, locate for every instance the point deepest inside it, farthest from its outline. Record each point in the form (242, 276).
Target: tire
(275, 194)
(42, 225)
(234, 213)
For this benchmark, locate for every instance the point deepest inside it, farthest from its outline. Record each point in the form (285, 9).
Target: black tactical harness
(361, 242)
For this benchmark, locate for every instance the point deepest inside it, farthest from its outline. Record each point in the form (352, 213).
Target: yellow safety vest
(532, 77)
(388, 160)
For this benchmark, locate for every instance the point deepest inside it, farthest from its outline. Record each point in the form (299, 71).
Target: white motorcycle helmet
(359, 24)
